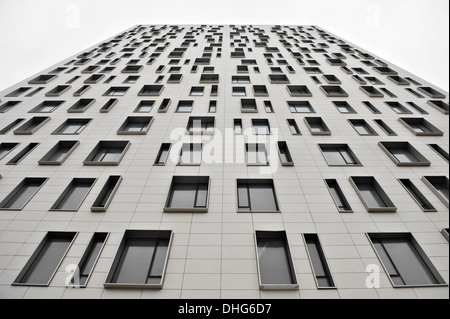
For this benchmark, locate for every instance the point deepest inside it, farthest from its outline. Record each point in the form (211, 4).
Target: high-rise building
(228, 161)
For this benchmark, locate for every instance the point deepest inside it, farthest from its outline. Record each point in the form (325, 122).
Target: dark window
(59, 153)
(72, 126)
(74, 194)
(188, 193)
(403, 154)
(107, 153)
(105, 196)
(23, 193)
(338, 196)
(372, 195)
(417, 195)
(319, 264)
(256, 195)
(338, 154)
(439, 186)
(163, 154)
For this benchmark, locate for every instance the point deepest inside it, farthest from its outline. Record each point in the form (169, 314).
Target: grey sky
(413, 34)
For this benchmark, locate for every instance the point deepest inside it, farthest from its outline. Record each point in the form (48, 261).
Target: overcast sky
(413, 34)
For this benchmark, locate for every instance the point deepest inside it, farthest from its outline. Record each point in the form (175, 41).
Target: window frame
(197, 180)
(125, 145)
(247, 182)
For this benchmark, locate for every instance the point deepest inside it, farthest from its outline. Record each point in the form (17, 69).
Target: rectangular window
(163, 154)
(256, 154)
(293, 127)
(164, 106)
(106, 195)
(439, 186)
(319, 264)
(275, 264)
(45, 261)
(74, 194)
(200, 125)
(256, 196)
(107, 153)
(371, 107)
(238, 91)
(434, 94)
(43, 79)
(403, 154)
(248, 106)
(240, 79)
(237, 126)
(116, 91)
(32, 125)
(5, 107)
(209, 78)
(299, 90)
(188, 194)
(362, 127)
(261, 126)
(22, 154)
(371, 91)
(443, 153)
(108, 105)
(88, 260)
(416, 194)
(58, 90)
(141, 260)
(46, 107)
(338, 155)
(439, 105)
(417, 108)
(385, 127)
(94, 78)
(338, 196)
(279, 79)
(300, 107)
(190, 154)
(196, 91)
(317, 126)
(72, 126)
(420, 126)
(144, 106)
(184, 106)
(151, 90)
(344, 107)
(59, 153)
(212, 107)
(81, 106)
(10, 126)
(136, 125)
(371, 194)
(398, 108)
(404, 261)
(268, 107)
(334, 91)
(6, 148)
(23, 193)
(285, 154)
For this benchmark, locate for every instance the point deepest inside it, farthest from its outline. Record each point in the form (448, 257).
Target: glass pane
(333, 157)
(135, 261)
(347, 156)
(202, 195)
(243, 200)
(362, 128)
(403, 155)
(93, 254)
(274, 264)
(183, 195)
(23, 195)
(134, 127)
(159, 259)
(75, 196)
(316, 261)
(370, 195)
(71, 128)
(46, 262)
(337, 197)
(59, 154)
(262, 197)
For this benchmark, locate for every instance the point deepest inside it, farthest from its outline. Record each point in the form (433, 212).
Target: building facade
(229, 161)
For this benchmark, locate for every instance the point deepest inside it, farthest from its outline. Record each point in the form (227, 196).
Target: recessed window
(336, 62)
(74, 194)
(144, 106)
(184, 106)
(371, 91)
(268, 107)
(81, 105)
(371, 194)
(238, 91)
(256, 154)
(319, 264)
(384, 70)
(190, 154)
(293, 127)
(285, 154)
(439, 105)
(404, 261)
(261, 126)
(317, 126)
(237, 124)
(299, 90)
(106, 195)
(188, 194)
(260, 90)
(362, 127)
(132, 68)
(107, 153)
(338, 196)
(398, 108)
(72, 126)
(81, 90)
(43, 79)
(420, 126)
(240, 79)
(371, 107)
(275, 264)
(88, 260)
(256, 196)
(6, 148)
(334, 91)
(434, 94)
(94, 78)
(374, 81)
(338, 155)
(278, 79)
(46, 107)
(22, 154)
(108, 105)
(209, 78)
(32, 125)
(388, 93)
(44, 262)
(196, 91)
(385, 127)
(300, 107)
(5, 107)
(116, 91)
(163, 154)
(398, 80)
(312, 70)
(403, 154)
(439, 186)
(331, 79)
(175, 78)
(151, 90)
(138, 125)
(131, 79)
(248, 106)
(141, 260)
(200, 125)
(58, 90)
(443, 153)
(59, 153)
(23, 193)
(164, 106)
(344, 107)
(417, 195)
